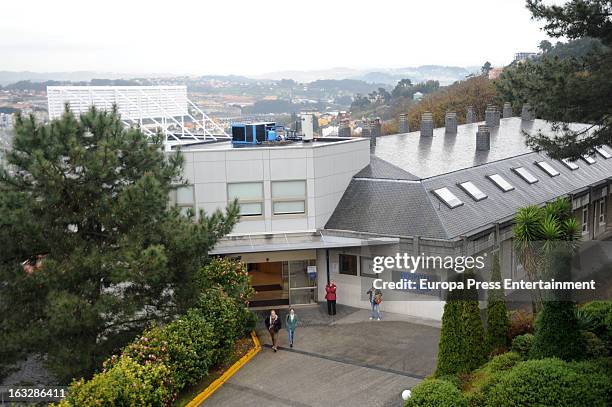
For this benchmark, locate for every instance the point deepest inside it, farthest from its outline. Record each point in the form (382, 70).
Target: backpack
(378, 298)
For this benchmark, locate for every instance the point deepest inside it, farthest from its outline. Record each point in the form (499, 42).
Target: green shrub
(503, 362)
(454, 379)
(557, 333)
(595, 347)
(548, 383)
(522, 345)
(597, 316)
(229, 274)
(461, 348)
(188, 346)
(436, 393)
(127, 383)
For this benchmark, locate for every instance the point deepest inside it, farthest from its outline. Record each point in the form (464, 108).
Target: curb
(207, 392)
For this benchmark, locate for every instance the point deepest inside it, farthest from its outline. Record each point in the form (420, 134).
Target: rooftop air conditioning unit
(307, 127)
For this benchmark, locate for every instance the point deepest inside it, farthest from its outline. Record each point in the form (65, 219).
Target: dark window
(260, 133)
(238, 133)
(249, 133)
(348, 264)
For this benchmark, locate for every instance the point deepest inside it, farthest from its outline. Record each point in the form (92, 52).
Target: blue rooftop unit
(253, 133)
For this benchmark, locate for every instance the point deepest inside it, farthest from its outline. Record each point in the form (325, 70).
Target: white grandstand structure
(152, 108)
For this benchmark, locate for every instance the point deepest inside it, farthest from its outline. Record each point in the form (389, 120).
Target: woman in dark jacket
(273, 324)
(330, 296)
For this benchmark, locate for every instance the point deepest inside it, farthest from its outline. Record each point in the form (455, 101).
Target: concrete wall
(326, 167)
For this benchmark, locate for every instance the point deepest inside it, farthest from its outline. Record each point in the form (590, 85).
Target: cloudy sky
(254, 37)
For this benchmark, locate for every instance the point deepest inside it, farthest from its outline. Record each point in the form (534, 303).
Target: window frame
(603, 152)
(570, 164)
(525, 175)
(547, 168)
(289, 199)
(585, 223)
(467, 191)
(361, 268)
(602, 211)
(260, 201)
(588, 158)
(496, 181)
(182, 205)
(446, 202)
(340, 270)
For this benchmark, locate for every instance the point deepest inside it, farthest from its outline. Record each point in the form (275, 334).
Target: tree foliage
(498, 322)
(86, 200)
(461, 348)
(568, 89)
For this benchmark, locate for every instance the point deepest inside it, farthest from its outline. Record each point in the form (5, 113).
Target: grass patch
(242, 347)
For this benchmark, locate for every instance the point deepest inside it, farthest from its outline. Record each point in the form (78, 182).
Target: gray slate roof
(389, 206)
(379, 168)
(430, 156)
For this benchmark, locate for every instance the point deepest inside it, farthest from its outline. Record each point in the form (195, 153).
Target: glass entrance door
(302, 282)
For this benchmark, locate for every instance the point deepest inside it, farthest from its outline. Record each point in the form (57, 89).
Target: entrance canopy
(253, 243)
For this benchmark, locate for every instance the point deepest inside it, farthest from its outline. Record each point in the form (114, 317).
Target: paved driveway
(345, 361)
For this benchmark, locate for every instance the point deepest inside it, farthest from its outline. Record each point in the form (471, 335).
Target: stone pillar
(492, 116)
(527, 113)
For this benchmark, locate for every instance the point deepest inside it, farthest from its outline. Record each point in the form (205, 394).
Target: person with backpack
(273, 324)
(291, 322)
(375, 296)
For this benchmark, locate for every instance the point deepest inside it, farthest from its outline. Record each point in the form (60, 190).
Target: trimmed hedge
(522, 345)
(157, 365)
(498, 323)
(436, 393)
(549, 383)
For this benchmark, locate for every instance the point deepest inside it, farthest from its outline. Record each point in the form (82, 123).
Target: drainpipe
(327, 263)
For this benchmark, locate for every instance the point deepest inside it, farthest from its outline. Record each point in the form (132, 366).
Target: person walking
(330, 296)
(273, 324)
(291, 323)
(375, 300)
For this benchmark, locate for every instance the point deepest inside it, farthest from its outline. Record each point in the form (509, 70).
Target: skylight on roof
(589, 159)
(570, 164)
(525, 175)
(603, 152)
(500, 182)
(473, 191)
(547, 168)
(446, 196)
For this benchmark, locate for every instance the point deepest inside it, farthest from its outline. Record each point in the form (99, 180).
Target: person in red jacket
(330, 296)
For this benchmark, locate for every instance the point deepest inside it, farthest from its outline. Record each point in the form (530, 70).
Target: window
(446, 196)
(589, 159)
(288, 197)
(547, 168)
(500, 182)
(602, 211)
(526, 175)
(348, 264)
(473, 191)
(603, 152)
(249, 195)
(366, 267)
(585, 219)
(183, 197)
(570, 164)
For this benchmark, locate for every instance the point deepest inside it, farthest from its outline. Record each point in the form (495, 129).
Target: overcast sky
(254, 37)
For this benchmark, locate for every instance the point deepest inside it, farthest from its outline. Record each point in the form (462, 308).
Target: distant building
(6, 120)
(417, 96)
(495, 72)
(524, 56)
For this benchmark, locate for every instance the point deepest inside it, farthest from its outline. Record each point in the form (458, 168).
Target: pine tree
(86, 200)
(497, 313)
(461, 348)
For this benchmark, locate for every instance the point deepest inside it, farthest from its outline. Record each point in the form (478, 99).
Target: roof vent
(483, 139)
(470, 117)
(527, 113)
(427, 124)
(404, 127)
(450, 122)
(491, 116)
(507, 111)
